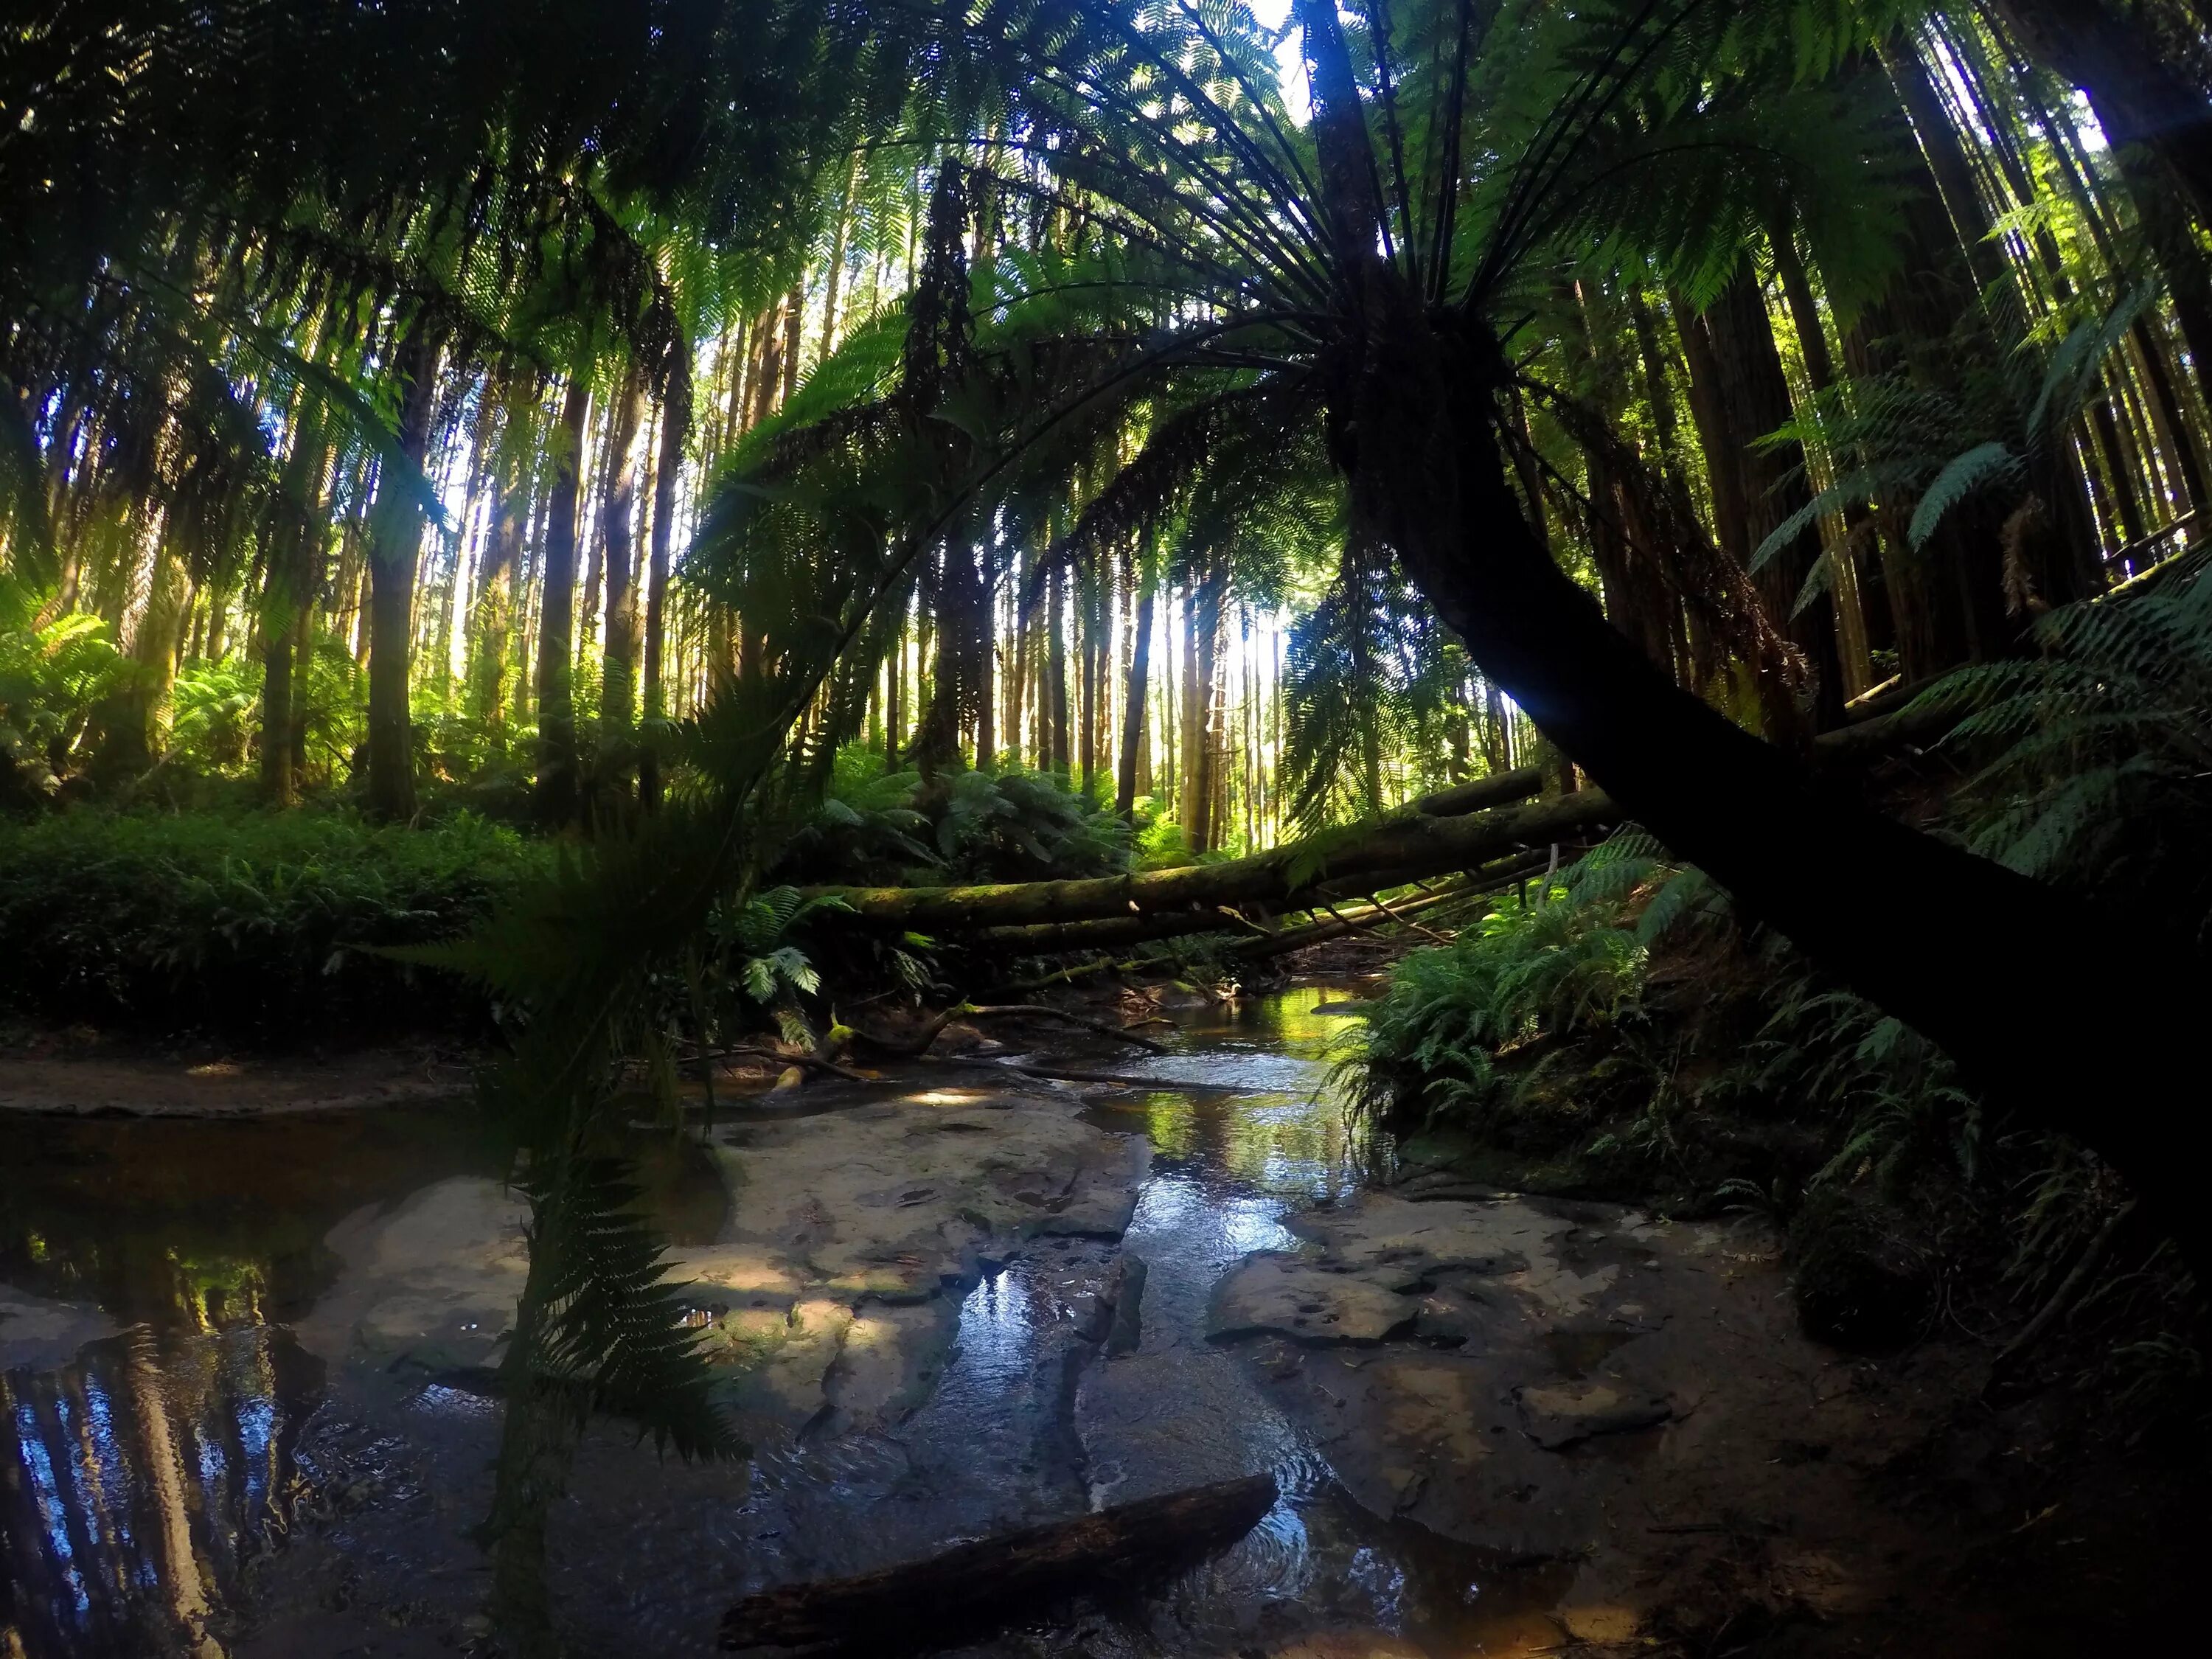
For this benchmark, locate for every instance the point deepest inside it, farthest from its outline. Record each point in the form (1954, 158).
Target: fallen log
(969, 1591)
(1438, 835)
(1502, 790)
(1405, 848)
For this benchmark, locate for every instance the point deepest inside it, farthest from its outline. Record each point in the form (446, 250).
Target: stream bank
(245, 1359)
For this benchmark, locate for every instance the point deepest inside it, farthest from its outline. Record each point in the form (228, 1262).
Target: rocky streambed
(946, 1305)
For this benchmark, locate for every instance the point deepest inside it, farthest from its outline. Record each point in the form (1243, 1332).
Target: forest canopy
(641, 504)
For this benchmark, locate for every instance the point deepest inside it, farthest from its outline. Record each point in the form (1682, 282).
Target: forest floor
(1554, 1381)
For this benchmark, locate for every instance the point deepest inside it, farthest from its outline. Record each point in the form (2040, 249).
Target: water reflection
(137, 1483)
(144, 1481)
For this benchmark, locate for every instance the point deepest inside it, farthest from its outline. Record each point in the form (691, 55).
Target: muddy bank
(1632, 1400)
(59, 1076)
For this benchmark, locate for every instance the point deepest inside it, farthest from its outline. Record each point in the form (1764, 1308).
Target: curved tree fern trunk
(1983, 960)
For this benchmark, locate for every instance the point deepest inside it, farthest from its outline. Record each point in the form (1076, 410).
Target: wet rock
(1600, 1626)
(431, 1284)
(1405, 1244)
(37, 1333)
(889, 1212)
(1563, 1415)
(1287, 1296)
(961, 1039)
(1348, 1644)
(1442, 1324)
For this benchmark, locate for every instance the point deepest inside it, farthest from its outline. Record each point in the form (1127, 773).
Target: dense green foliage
(249, 923)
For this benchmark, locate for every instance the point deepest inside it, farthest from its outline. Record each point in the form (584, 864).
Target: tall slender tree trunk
(558, 801)
(1754, 398)
(1134, 744)
(491, 629)
(1055, 670)
(617, 536)
(675, 430)
(1820, 373)
(286, 598)
(2143, 94)
(986, 648)
(894, 714)
(795, 323)
(395, 543)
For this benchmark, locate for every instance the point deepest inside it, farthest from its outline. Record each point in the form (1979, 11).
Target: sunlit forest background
(387, 495)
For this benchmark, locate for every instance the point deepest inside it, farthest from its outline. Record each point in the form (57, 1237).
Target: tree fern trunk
(1989, 972)
(1809, 861)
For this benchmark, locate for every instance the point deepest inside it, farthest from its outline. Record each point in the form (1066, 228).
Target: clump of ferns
(2118, 1298)
(1473, 1027)
(2097, 749)
(747, 967)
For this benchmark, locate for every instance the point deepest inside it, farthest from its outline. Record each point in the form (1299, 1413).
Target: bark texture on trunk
(286, 598)
(1133, 706)
(618, 537)
(675, 429)
(395, 543)
(558, 801)
(1983, 960)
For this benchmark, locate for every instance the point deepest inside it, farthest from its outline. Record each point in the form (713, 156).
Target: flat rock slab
(1285, 1295)
(1578, 1384)
(1561, 1415)
(430, 1283)
(38, 1333)
(835, 1289)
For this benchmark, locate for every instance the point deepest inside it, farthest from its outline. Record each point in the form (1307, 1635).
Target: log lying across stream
(969, 1591)
(1393, 852)
(1455, 830)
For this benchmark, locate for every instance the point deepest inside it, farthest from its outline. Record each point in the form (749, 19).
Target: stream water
(184, 1472)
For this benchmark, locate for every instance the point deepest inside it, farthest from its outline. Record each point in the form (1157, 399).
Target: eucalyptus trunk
(675, 429)
(286, 596)
(395, 543)
(1133, 706)
(618, 539)
(556, 801)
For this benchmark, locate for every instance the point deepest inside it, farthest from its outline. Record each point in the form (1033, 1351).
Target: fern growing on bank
(2097, 750)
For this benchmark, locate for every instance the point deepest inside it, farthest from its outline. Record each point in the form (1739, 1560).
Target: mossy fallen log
(1394, 851)
(969, 1591)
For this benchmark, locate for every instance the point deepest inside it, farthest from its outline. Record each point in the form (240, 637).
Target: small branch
(1429, 934)
(812, 1062)
(1041, 1010)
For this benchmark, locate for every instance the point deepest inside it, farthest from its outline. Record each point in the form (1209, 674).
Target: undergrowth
(1617, 1032)
(254, 924)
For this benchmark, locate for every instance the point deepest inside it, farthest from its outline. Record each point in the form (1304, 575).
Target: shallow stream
(190, 1468)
